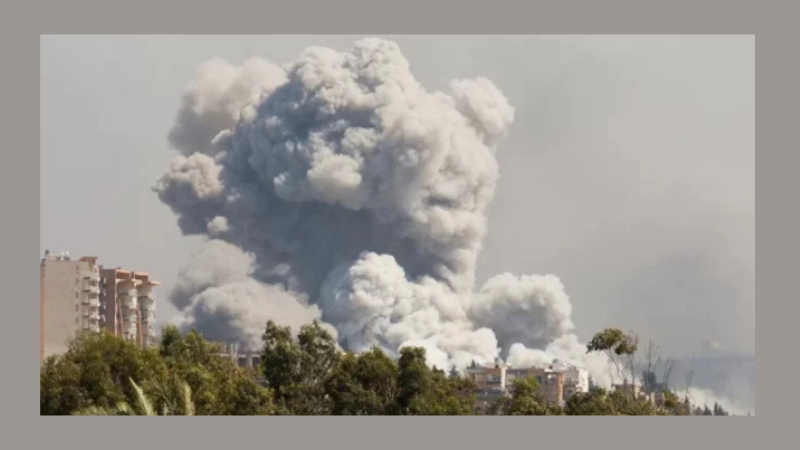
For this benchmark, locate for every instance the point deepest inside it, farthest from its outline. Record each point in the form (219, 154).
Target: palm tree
(142, 406)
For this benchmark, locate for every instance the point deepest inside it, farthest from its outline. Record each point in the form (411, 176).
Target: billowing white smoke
(361, 193)
(372, 302)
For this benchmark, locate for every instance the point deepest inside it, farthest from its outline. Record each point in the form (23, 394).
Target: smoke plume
(340, 188)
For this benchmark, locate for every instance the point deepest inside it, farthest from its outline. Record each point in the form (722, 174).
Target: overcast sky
(629, 171)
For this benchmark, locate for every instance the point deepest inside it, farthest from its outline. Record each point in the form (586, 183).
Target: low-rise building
(557, 381)
(551, 383)
(576, 379)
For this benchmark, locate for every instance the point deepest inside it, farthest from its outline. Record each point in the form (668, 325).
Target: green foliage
(443, 396)
(306, 374)
(527, 400)
(99, 374)
(414, 378)
(429, 392)
(364, 385)
(299, 370)
(613, 340)
(220, 386)
(596, 402)
(95, 371)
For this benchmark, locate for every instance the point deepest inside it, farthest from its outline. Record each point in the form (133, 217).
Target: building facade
(576, 379)
(128, 304)
(557, 382)
(68, 301)
(77, 295)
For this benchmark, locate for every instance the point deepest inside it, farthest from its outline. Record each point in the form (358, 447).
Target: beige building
(128, 304)
(78, 296)
(68, 301)
(492, 380)
(490, 377)
(551, 383)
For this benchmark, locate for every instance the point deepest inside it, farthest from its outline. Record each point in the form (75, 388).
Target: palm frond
(141, 404)
(93, 411)
(188, 404)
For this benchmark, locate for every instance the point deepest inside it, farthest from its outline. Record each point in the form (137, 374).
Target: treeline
(301, 374)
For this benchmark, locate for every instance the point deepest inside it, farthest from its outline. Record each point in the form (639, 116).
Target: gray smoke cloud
(360, 198)
(216, 294)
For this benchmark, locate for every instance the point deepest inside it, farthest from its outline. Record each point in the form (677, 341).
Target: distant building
(576, 379)
(80, 296)
(68, 301)
(489, 377)
(557, 382)
(551, 383)
(247, 360)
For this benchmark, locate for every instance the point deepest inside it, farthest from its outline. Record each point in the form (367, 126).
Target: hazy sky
(629, 171)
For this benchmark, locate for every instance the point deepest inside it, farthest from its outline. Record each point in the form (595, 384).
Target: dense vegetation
(301, 374)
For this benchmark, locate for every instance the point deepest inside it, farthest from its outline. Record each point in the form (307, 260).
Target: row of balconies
(94, 277)
(91, 302)
(91, 290)
(93, 327)
(90, 314)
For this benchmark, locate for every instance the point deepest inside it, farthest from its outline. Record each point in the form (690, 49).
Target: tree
(620, 348)
(428, 392)
(298, 370)
(94, 371)
(596, 402)
(445, 396)
(654, 361)
(719, 411)
(364, 385)
(453, 372)
(414, 377)
(527, 400)
(220, 386)
(141, 406)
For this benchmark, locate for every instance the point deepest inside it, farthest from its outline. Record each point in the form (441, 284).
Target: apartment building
(128, 304)
(68, 301)
(78, 295)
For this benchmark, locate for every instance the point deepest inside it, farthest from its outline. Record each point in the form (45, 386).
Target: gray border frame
(340, 17)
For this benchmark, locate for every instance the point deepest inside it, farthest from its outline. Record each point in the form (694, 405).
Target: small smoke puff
(218, 225)
(336, 179)
(486, 107)
(191, 180)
